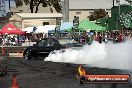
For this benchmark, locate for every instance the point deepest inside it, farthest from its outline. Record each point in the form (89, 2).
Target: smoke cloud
(115, 56)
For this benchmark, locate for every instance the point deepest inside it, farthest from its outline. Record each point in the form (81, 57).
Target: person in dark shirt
(100, 38)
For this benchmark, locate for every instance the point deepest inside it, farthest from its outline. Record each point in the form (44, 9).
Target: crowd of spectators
(17, 40)
(11, 40)
(117, 36)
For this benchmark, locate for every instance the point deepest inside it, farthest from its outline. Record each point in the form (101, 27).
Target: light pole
(117, 18)
(9, 5)
(66, 11)
(113, 3)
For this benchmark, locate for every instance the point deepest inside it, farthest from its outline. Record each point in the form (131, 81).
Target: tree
(129, 1)
(35, 3)
(97, 14)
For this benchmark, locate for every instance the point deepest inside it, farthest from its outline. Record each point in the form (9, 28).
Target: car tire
(3, 71)
(3, 67)
(27, 55)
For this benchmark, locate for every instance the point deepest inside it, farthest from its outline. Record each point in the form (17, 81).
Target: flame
(81, 71)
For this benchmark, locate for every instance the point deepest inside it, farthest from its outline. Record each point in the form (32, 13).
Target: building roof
(39, 15)
(90, 4)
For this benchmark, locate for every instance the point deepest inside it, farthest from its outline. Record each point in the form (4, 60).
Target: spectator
(13, 40)
(100, 38)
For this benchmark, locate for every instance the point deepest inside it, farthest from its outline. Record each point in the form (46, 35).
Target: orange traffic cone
(14, 82)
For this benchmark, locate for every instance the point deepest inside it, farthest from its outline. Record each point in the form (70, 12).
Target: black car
(42, 48)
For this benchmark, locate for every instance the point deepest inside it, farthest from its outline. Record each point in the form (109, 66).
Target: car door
(39, 49)
(56, 44)
(51, 45)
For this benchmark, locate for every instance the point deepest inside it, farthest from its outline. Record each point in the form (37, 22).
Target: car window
(56, 42)
(49, 42)
(52, 42)
(67, 41)
(41, 43)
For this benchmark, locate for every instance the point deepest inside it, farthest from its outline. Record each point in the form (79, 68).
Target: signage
(11, 28)
(125, 19)
(75, 22)
(121, 78)
(57, 28)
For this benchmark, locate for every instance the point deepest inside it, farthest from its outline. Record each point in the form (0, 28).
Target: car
(3, 66)
(42, 48)
(70, 43)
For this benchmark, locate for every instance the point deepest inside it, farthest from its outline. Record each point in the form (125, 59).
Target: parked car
(3, 66)
(42, 48)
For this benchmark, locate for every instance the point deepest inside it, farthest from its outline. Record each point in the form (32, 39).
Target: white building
(23, 20)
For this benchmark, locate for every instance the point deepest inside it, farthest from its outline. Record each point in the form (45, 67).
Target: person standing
(100, 38)
(106, 38)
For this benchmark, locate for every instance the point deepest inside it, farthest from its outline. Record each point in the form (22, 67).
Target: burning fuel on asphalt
(114, 56)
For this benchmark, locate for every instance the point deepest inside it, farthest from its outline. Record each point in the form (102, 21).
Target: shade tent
(50, 27)
(68, 30)
(0, 32)
(11, 29)
(28, 29)
(63, 27)
(87, 25)
(40, 29)
(66, 25)
(45, 29)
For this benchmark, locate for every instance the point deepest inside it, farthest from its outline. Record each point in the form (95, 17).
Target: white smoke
(115, 56)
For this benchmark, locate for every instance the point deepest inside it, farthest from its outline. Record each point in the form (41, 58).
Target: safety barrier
(12, 51)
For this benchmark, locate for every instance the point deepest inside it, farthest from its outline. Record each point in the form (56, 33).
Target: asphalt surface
(40, 74)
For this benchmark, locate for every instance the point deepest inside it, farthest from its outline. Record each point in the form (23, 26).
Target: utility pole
(119, 4)
(9, 5)
(113, 3)
(65, 12)
(119, 7)
(119, 14)
(65, 7)
(119, 10)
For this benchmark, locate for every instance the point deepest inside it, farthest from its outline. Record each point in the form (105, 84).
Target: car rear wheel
(27, 55)
(3, 72)
(3, 68)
